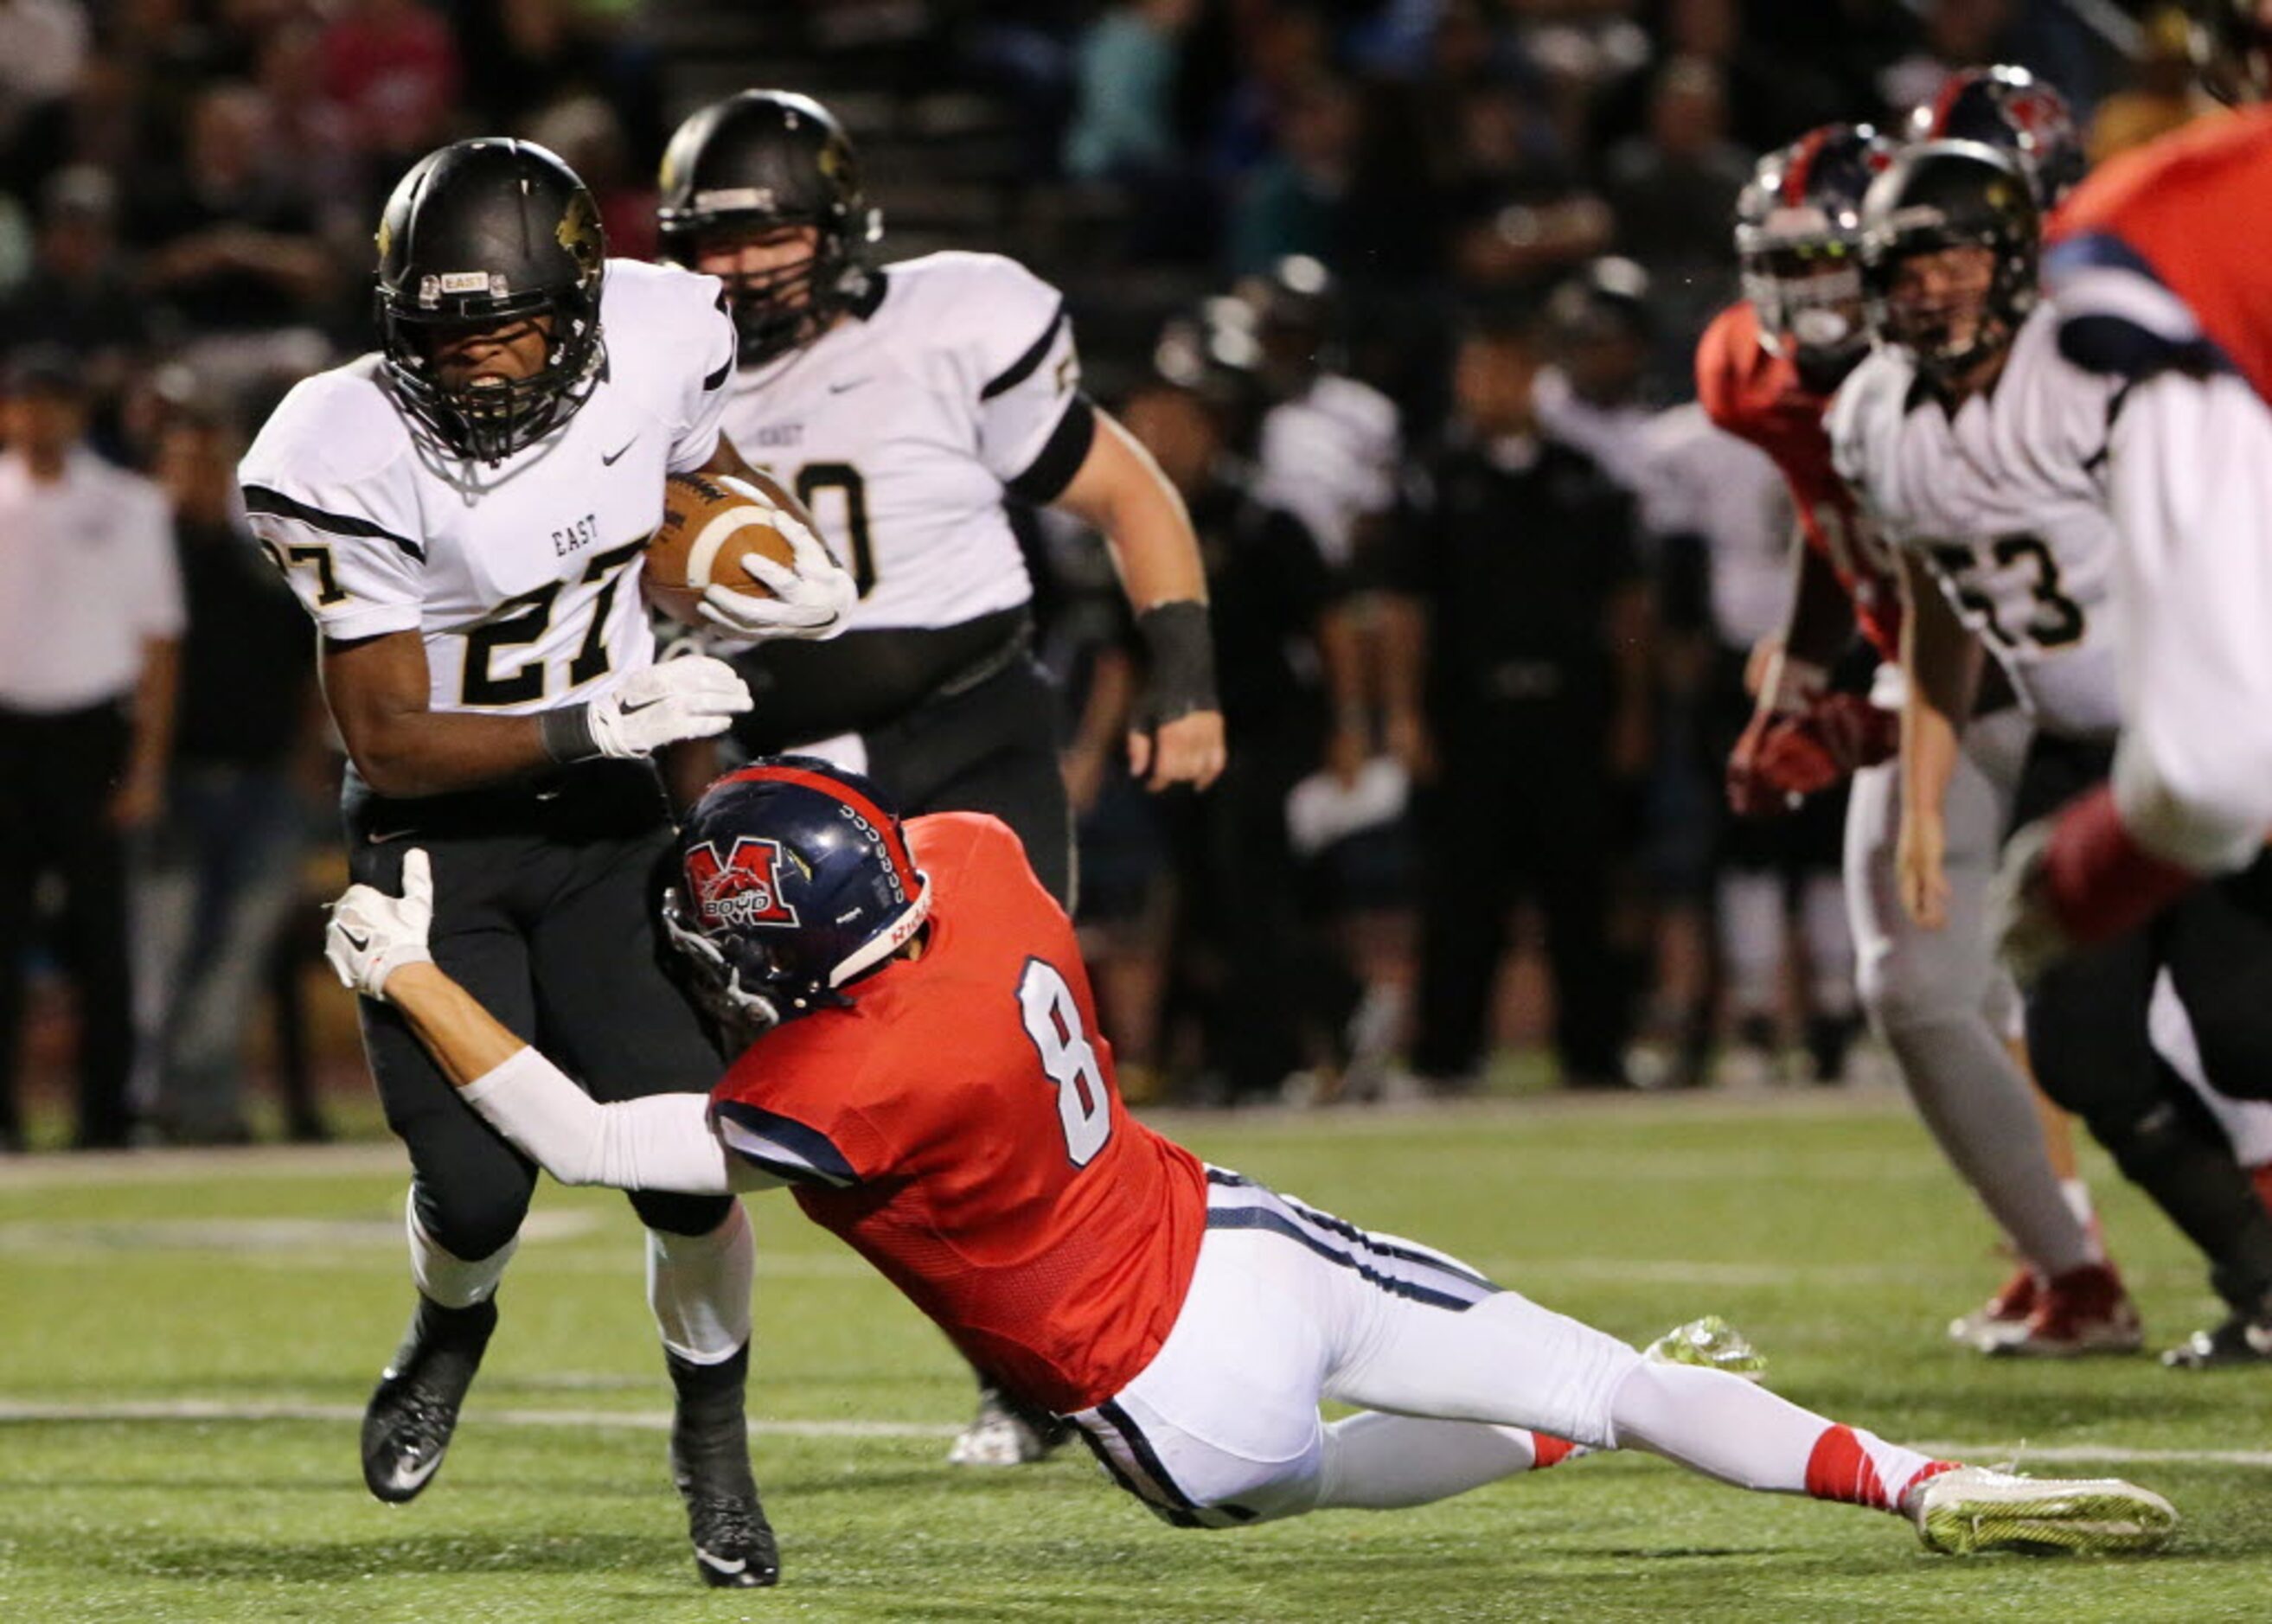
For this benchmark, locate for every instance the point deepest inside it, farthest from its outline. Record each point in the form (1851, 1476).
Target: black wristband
(1180, 676)
(567, 734)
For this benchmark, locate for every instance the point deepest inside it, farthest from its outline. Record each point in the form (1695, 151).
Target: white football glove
(813, 593)
(372, 934)
(692, 698)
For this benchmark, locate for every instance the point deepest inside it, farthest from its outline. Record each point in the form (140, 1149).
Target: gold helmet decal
(384, 237)
(579, 232)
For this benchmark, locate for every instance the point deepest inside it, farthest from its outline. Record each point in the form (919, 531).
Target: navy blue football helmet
(1798, 227)
(794, 880)
(2011, 109)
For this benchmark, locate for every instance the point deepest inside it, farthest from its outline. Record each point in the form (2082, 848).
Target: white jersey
(1698, 480)
(902, 425)
(1329, 458)
(1611, 434)
(2003, 497)
(522, 576)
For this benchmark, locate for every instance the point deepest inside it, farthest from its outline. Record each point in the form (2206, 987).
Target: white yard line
(289, 1162)
(633, 1420)
(202, 1410)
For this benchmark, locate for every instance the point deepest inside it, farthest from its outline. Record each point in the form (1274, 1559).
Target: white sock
(2077, 1194)
(698, 1286)
(1723, 1427)
(1829, 947)
(448, 1279)
(1751, 932)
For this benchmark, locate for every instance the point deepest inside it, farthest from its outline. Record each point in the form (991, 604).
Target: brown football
(709, 520)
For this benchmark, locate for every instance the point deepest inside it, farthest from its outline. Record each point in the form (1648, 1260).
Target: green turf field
(185, 1343)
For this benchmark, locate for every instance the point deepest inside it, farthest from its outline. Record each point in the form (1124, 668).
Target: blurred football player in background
(2158, 284)
(1765, 371)
(1974, 446)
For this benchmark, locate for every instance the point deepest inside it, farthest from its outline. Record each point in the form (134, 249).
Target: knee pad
(467, 1220)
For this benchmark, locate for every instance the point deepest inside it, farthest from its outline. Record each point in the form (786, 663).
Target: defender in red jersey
(1767, 371)
(926, 1073)
(2158, 278)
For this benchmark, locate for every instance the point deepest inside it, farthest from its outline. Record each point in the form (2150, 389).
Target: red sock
(1856, 1469)
(1548, 1451)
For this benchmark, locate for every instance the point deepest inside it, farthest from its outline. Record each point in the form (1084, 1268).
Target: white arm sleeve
(663, 1141)
(2190, 486)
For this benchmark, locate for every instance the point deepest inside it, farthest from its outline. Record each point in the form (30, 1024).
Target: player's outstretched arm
(1797, 673)
(1178, 736)
(1942, 661)
(378, 693)
(377, 945)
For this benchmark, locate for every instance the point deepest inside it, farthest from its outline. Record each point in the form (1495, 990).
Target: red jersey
(958, 1126)
(2156, 258)
(1758, 397)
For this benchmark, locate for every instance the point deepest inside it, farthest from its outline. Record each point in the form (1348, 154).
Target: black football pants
(57, 776)
(1520, 803)
(543, 911)
(991, 748)
(2088, 1039)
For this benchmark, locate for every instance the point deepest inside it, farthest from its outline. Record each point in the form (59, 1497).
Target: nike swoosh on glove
(813, 594)
(372, 934)
(694, 699)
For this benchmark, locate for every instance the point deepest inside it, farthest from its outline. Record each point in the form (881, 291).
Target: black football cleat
(2243, 1339)
(734, 1546)
(407, 1426)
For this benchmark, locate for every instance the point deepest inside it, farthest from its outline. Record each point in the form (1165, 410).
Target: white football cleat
(1002, 1433)
(1709, 1344)
(1973, 1508)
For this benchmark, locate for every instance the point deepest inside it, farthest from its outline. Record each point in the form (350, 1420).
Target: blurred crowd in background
(1401, 293)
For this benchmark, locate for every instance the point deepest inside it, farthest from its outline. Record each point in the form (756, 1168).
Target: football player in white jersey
(903, 403)
(463, 515)
(1719, 515)
(1972, 443)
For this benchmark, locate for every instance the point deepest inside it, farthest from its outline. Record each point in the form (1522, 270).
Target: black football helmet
(1797, 231)
(479, 234)
(2232, 47)
(2012, 108)
(758, 161)
(794, 880)
(1950, 194)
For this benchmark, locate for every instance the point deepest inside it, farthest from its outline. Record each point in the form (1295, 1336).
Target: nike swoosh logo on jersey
(385, 835)
(837, 389)
(609, 458)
